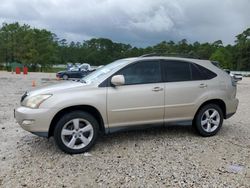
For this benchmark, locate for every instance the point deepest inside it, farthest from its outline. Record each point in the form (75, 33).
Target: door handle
(157, 89)
(202, 85)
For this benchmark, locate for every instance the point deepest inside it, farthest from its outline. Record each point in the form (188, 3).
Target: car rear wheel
(76, 132)
(209, 120)
(65, 77)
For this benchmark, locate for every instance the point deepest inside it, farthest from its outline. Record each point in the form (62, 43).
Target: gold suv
(130, 93)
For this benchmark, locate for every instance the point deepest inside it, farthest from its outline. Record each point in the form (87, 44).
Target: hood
(54, 88)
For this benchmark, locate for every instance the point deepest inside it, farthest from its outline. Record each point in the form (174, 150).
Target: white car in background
(236, 76)
(84, 66)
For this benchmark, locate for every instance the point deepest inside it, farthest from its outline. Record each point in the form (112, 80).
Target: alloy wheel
(210, 120)
(77, 133)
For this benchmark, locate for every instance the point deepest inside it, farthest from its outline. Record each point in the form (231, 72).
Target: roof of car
(165, 57)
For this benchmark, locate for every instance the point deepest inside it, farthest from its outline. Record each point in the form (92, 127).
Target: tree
(40, 47)
(223, 57)
(26, 45)
(217, 43)
(242, 50)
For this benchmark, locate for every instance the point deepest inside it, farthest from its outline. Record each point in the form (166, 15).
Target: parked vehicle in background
(237, 77)
(75, 72)
(127, 94)
(65, 75)
(84, 66)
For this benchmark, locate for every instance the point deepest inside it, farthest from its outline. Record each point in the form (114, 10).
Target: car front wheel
(209, 120)
(76, 132)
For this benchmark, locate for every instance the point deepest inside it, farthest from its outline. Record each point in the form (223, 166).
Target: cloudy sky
(138, 22)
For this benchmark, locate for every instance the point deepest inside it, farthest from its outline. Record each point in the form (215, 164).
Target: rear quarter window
(179, 71)
(196, 73)
(208, 74)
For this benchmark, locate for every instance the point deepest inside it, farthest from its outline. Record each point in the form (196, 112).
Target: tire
(76, 132)
(208, 120)
(65, 77)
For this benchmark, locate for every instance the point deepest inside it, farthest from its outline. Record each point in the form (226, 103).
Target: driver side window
(143, 72)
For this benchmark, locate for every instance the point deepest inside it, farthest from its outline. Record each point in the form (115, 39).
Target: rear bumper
(231, 106)
(229, 115)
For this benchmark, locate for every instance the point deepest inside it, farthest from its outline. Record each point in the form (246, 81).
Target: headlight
(35, 101)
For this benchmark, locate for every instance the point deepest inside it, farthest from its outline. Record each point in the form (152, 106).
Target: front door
(141, 99)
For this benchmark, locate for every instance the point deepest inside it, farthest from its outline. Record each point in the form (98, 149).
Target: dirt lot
(161, 157)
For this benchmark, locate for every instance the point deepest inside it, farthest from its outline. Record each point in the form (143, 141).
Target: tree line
(33, 47)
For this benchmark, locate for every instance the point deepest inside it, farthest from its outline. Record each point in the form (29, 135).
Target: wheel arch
(86, 108)
(218, 102)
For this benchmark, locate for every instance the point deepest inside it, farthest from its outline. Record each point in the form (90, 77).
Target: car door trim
(138, 108)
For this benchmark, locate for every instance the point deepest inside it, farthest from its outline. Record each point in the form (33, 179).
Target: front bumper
(36, 121)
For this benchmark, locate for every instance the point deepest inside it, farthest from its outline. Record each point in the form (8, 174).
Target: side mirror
(118, 80)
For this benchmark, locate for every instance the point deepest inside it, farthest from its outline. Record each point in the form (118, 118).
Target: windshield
(97, 74)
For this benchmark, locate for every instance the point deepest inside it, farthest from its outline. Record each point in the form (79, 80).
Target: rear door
(185, 86)
(141, 99)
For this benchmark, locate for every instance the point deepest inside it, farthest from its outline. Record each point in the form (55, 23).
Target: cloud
(140, 22)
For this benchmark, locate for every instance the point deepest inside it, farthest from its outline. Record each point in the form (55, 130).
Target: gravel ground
(163, 157)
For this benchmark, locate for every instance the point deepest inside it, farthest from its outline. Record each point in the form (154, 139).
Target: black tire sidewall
(66, 118)
(199, 116)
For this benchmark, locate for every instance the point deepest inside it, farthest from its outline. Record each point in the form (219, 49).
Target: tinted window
(196, 73)
(207, 73)
(142, 73)
(176, 71)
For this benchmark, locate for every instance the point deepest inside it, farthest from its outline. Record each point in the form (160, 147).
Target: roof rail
(182, 55)
(150, 55)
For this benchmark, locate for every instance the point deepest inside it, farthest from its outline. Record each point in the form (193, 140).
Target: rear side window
(207, 73)
(177, 71)
(142, 73)
(197, 73)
